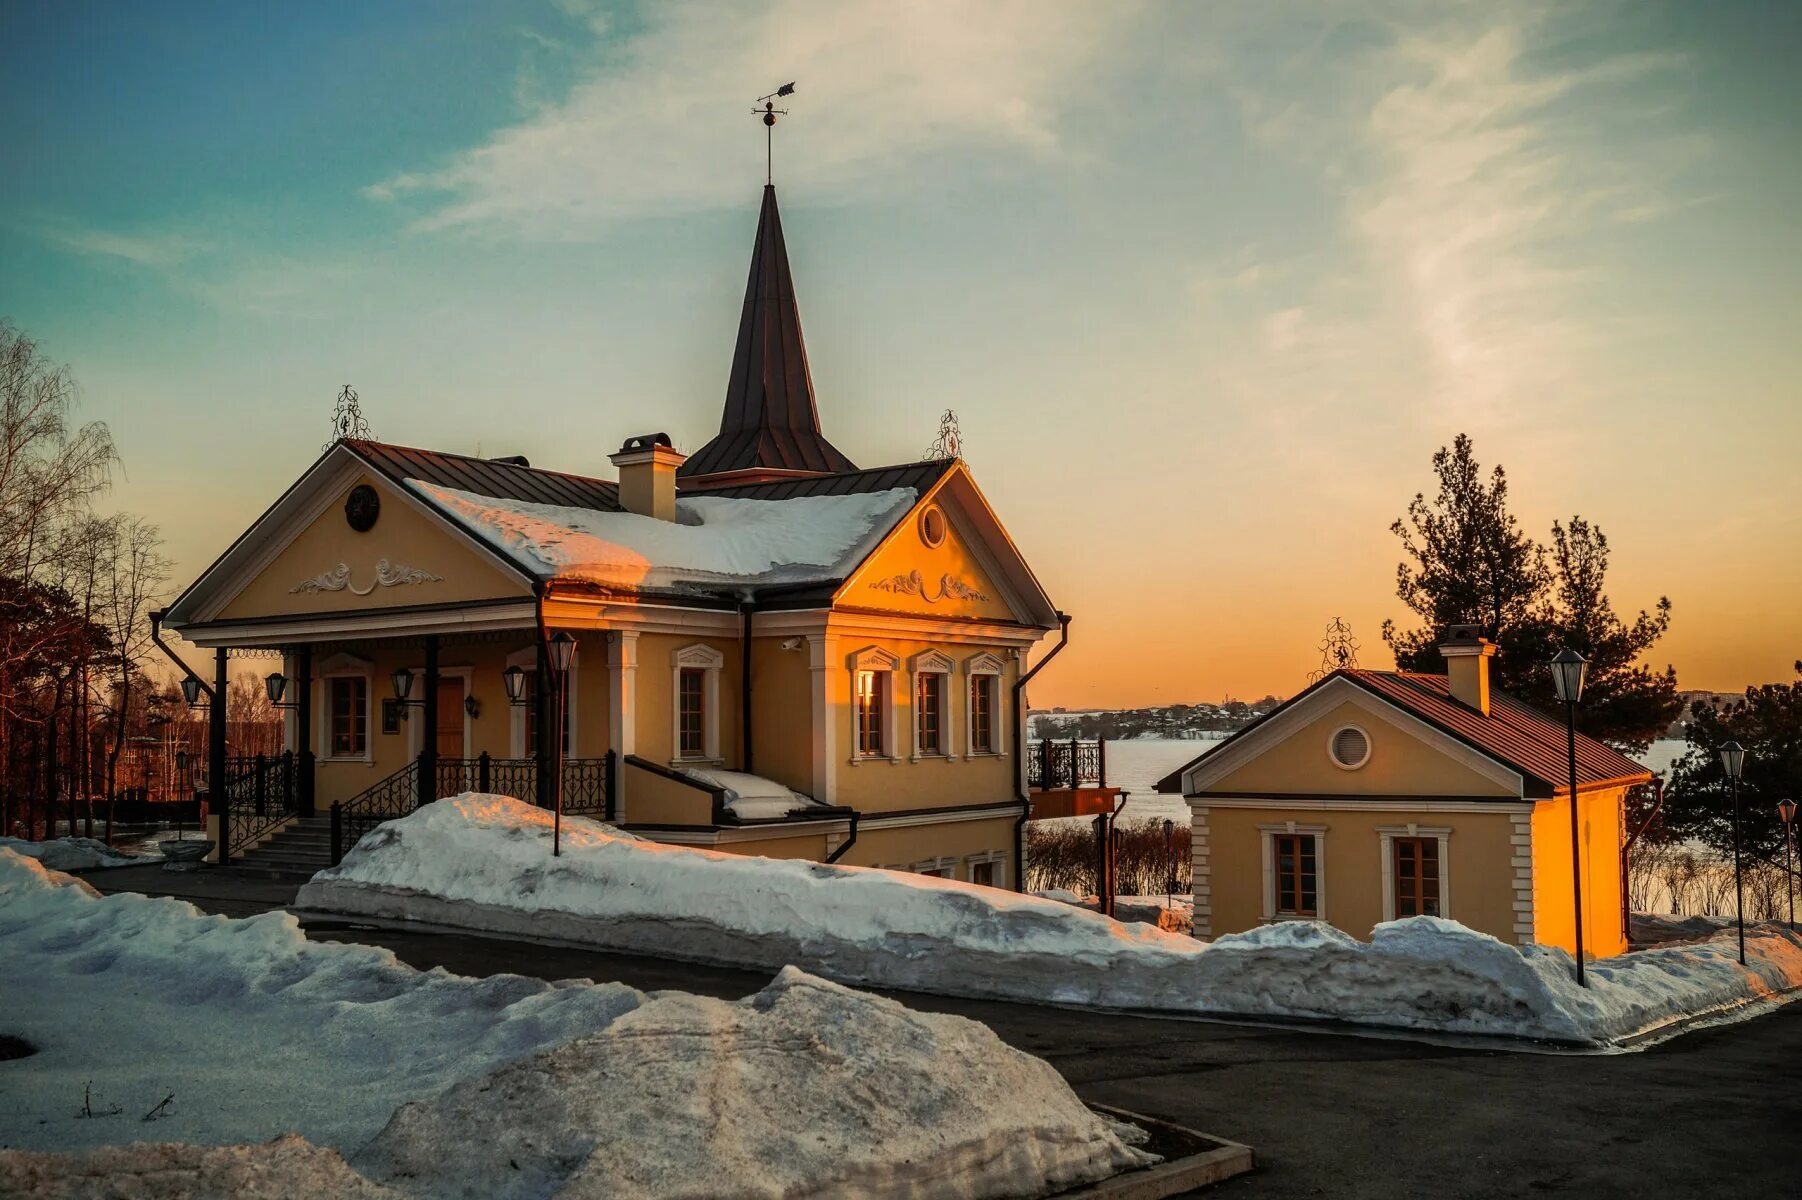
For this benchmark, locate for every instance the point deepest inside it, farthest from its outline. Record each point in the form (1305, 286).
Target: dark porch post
(428, 734)
(303, 728)
(215, 753)
(543, 722)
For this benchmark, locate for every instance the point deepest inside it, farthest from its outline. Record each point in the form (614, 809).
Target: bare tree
(136, 573)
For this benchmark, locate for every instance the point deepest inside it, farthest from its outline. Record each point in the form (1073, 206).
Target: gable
(949, 557)
(1288, 754)
(317, 563)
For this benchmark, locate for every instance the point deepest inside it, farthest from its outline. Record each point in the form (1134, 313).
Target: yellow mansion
(759, 647)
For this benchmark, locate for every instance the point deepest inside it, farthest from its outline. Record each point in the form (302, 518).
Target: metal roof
(488, 477)
(920, 476)
(770, 419)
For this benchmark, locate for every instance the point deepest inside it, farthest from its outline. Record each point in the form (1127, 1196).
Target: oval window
(1350, 747)
(932, 527)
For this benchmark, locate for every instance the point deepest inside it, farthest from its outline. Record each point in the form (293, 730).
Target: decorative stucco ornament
(913, 584)
(387, 574)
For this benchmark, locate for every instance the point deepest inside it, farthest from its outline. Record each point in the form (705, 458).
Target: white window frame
(933, 662)
(985, 664)
(875, 658)
(1267, 835)
(704, 658)
(996, 857)
(947, 865)
(1441, 833)
(1333, 737)
(345, 666)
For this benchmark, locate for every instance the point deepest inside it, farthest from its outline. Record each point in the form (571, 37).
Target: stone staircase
(299, 850)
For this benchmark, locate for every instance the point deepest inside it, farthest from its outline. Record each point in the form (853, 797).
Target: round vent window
(932, 527)
(1350, 747)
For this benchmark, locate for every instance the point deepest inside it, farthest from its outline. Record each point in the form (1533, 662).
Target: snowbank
(805, 1089)
(71, 853)
(714, 539)
(485, 1088)
(484, 862)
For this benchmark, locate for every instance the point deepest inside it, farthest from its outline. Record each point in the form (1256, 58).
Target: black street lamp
(515, 679)
(1787, 810)
(1733, 761)
(190, 691)
(275, 685)
(401, 680)
(1568, 669)
(563, 652)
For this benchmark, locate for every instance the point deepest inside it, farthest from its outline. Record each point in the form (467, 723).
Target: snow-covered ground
(436, 1085)
(484, 862)
(71, 853)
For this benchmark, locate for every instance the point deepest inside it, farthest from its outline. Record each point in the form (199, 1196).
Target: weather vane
(1338, 651)
(769, 112)
(950, 443)
(347, 418)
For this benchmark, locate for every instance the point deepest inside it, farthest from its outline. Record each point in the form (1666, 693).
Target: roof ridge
(477, 458)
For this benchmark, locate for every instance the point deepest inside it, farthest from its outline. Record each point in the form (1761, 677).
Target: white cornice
(1357, 804)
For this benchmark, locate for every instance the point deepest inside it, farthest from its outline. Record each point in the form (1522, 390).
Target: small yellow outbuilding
(1375, 795)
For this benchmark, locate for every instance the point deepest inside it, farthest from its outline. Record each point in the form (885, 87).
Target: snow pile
(253, 1028)
(288, 1168)
(752, 797)
(715, 539)
(1644, 928)
(805, 1089)
(71, 853)
(484, 862)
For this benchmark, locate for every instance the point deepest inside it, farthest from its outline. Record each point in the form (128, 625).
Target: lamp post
(1787, 810)
(1733, 761)
(563, 651)
(1568, 669)
(1169, 864)
(181, 773)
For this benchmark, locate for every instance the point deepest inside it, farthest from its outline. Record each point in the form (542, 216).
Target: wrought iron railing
(1054, 766)
(587, 791)
(262, 793)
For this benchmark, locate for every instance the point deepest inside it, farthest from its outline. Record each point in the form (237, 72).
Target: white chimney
(1467, 653)
(647, 475)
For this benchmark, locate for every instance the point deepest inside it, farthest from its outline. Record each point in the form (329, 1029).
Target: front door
(450, 718)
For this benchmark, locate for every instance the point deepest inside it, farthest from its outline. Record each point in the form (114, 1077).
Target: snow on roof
(715, 540)
(752, 797)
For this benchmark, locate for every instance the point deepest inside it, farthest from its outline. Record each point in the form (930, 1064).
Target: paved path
(1713, 1113)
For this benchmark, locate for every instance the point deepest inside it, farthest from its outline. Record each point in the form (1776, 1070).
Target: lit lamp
(1733, 762)
(563, 652)
(1568, 669)
(1787, 810)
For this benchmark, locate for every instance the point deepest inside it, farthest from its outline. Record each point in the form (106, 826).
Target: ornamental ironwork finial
(769, 112)
(950, 442)
(347, 418)
(1338, 651)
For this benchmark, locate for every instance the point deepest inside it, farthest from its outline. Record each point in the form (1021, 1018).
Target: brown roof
(1514, 733)
(770, 420)
(487, 476)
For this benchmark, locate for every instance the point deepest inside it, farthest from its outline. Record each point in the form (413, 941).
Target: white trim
(749, 833)
(1520, 841)
(927, 513)
(1387, 835)
(1332, 740)
(995, 858)
(416, 727)
(622, 707)
(480, 618)
(344, 666)
(1277, 728)
(527, 661)
(960, 631)
(1358, 804)
(985, 665)
(822, 655)
(1201, 879)
(932, 662)
(709, 662)
(947, 865)
(875, 658)
(877, 821)
(1267, 845)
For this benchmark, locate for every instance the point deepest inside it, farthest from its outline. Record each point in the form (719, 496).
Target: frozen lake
(1138, 764)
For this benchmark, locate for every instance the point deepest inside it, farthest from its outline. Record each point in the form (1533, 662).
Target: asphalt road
(1715, 1112)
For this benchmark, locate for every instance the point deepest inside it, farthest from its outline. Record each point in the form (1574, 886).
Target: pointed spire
(771, 423)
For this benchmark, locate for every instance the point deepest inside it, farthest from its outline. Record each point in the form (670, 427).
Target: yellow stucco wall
(656, 689)
(782, 725)
(1477, 877)
(402, 535)
(907, 575)
(1400, 763)
(915, 844)
(1554, 902)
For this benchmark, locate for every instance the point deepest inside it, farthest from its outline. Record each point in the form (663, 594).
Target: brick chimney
(647, 475)
(1467, 653)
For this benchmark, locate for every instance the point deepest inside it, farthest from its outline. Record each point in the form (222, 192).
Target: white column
(823, 658)
(622, 706)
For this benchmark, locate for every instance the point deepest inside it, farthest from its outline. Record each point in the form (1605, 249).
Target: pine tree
(1698, 801)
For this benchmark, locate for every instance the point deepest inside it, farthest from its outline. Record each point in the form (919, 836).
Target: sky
(1206, 284)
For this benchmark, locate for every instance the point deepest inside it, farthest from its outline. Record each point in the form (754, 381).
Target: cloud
(661, 120)
(154, 250)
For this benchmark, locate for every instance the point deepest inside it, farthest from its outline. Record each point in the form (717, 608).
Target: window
(1349, 747)
(988, 870)
(932, 526)
(1416, 862)
(695, 703)
(929, 696)
(349, 716)
(872, 705)
(937, 868)
(982, 714)
(1297, 875)
(983, 723)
